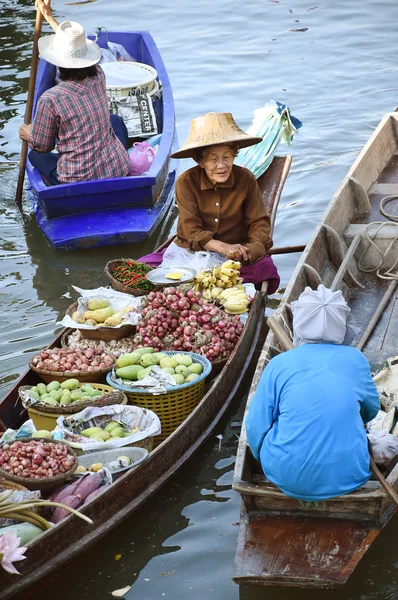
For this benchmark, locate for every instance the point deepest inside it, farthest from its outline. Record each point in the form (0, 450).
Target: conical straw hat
(212, 129)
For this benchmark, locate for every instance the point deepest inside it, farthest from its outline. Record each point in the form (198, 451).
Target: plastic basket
(128, 78)
(174, 406)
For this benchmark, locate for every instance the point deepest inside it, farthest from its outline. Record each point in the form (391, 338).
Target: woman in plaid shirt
(74, 114)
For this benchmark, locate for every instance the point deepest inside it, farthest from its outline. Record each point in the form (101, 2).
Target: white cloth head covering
(320, 316)
(69, 48)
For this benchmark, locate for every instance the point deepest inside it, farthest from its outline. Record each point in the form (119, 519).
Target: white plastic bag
(384, 446)
(175, 256)
(387, 384)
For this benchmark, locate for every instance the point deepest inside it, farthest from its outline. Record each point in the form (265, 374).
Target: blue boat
(121, 210)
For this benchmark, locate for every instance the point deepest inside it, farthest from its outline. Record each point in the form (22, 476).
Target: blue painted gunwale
(110, 211)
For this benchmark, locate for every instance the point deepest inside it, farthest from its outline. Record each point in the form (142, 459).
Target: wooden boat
(65, 541)
(121, 210)
(283, 541)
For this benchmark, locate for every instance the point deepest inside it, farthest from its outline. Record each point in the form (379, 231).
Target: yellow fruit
(216, 271)
(223, 278)
(228, 272)
(102, 314)
(215, 292)
(220, 283)
(80, 469)
(95, 467)
(207, 294)
(175, 275)
(76, 317)
(228, 264)
(242, 311)
(114, 320)
(90, 431)
(97, 303)
(91, 322)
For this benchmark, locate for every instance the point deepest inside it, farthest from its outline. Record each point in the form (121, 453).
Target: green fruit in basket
(169, 361)
(76, 395)
(34, 395)
(49, 400)
(183, 359)
(195, 368)
(97, 437)
(179, 379)
(168, 370)
(142, 351)
(42, 433)
(104, 435)
(34, 389)
(182, 370)
(54, 385)
(129, 372)
(97, 303)
(90, 431)
(111, 426)
(131, 358)
(56, 394)
(148, 360)
(89, 390)
(118, 432)
(143, 373)
(70, 384)
(65, 400)
(159, 356)
(191, 377)
(42, 388)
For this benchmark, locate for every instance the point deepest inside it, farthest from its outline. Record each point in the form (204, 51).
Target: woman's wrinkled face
(217, 161)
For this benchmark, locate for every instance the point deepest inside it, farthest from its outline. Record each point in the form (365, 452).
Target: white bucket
(125, 78)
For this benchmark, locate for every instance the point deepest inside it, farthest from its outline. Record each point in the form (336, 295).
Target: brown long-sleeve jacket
(232, 212)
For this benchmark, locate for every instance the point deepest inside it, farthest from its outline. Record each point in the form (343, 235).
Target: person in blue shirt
(305, 423)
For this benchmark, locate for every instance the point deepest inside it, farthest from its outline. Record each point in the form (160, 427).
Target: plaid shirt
(77, 115)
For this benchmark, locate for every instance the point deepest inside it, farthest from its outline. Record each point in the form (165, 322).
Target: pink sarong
(262, 270)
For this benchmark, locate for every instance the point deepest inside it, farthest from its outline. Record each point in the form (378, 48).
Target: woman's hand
(238, 252)
(24, 131)
(232, 251)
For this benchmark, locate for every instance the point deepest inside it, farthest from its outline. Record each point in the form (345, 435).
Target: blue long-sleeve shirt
(305, 423)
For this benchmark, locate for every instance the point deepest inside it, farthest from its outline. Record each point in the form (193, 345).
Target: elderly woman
(305, 423)
(74, 114)
(220, 205)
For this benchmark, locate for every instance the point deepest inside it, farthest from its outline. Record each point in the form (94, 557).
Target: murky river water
(335, 65)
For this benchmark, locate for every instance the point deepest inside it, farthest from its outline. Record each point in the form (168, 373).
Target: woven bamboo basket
(174, 406)
(42, 483)
(103, 333)
(115, 283)
(110, 396)
(89, 377)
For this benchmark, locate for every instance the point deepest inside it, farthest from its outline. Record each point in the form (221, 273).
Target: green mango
(143, 373)
(97, 303)
(191, 377)
(56, 394)
(42, 388)
(34, 395)
(76, 395)
(168, 370)
(147, 360)
(65, 400)
(34, 389)
(159, 356)
(90, 431)
(70, 384)
(179, 379)
(195, 368)
(118, 432)
(145, 351)
(125, 360)
(182, 370)
(49, 400)
(129, 372)
(54, 385)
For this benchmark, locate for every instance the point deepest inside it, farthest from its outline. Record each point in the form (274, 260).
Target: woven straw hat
(213, 129)
(69, 48)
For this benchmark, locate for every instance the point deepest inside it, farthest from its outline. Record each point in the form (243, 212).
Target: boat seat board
(302, 553)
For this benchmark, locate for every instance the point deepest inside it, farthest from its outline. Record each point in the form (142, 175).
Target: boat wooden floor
(316, 553)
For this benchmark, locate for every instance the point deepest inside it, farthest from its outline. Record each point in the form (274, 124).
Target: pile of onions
(68, 360)
(180, 320)
(35, 459)
(115, 347)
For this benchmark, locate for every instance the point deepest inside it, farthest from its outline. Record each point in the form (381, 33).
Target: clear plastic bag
(182, 257)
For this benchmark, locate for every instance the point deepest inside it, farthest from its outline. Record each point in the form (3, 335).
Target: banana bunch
(234, 300)
(217, 279)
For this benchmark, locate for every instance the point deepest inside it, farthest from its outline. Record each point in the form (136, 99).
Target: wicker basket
(89, 377)
(115, 283)
(42, 483)
(11, 485)
(110, 396)
(103, 333)
(174, 406)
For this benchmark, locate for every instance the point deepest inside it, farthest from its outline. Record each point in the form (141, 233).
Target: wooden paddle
(29, 105)
(286, 249)
(287, 344)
